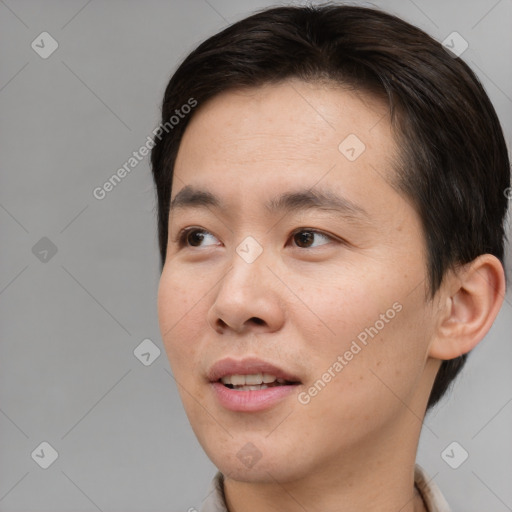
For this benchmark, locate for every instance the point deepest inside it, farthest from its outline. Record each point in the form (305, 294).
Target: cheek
(342, 306)
(378, 365)
(371, 333)
(182, 318)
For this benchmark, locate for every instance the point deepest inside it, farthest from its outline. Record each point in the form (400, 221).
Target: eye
(193, 237)
(304, 237)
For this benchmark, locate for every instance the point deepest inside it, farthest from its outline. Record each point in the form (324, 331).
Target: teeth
(254, 379)
(250, 388)
(238, 380)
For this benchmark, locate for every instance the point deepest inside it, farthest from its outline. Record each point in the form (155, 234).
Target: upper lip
(247, 366)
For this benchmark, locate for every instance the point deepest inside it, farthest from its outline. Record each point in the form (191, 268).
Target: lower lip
(252, 400)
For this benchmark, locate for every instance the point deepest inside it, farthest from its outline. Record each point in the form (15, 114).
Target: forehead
(251, 141)
(289, 120)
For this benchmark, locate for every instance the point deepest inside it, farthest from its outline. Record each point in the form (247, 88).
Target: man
(331, 231)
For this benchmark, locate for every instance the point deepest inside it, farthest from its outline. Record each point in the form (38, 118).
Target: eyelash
(181, 238)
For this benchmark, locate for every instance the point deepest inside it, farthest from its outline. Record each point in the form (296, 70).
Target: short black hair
(453, 164)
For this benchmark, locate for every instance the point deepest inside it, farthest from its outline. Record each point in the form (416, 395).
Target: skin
(353, 446)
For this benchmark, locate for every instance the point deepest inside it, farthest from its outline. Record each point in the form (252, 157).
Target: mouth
(244, 373)
(250, 384)
(254, 382)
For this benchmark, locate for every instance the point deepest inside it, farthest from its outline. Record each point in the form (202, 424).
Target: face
(271, 280)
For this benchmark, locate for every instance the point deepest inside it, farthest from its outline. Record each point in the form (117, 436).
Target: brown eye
(192, 237)
(305, 237)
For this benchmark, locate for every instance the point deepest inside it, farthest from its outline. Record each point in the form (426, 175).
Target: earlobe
(472, 298)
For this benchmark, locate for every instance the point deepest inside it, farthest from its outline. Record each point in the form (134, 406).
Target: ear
(470, 300)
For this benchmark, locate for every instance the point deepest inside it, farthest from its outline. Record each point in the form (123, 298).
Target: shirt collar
(434, 501)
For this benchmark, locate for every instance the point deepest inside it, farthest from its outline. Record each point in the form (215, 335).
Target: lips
(249, 366)
(229, 377)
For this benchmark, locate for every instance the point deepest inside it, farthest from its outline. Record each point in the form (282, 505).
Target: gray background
(70, 324)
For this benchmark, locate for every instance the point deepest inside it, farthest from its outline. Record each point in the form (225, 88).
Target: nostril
(257, 320)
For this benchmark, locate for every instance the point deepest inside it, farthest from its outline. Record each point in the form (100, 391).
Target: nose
(248, 298)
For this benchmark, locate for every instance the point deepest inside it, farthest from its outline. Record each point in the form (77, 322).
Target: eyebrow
(288, 202)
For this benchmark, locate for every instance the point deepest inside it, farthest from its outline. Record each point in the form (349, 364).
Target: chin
(254, 459)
